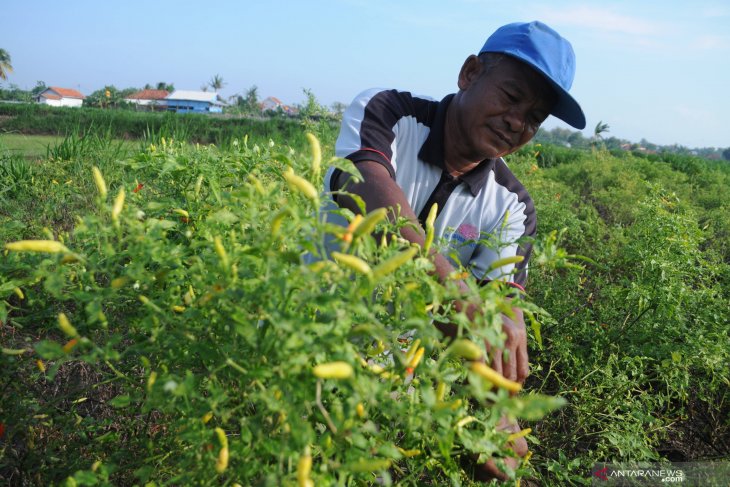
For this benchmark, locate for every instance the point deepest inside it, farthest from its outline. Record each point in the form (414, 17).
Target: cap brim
(566, 108)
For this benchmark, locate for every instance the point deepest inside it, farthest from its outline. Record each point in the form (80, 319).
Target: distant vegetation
(129, 124)
(574, 139)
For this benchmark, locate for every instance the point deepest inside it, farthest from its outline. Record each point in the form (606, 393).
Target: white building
(60, 97)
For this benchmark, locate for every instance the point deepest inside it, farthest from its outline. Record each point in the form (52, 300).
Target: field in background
(194, 312)
(28, 146)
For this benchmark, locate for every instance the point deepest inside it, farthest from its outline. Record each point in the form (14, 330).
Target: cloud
(601, 19)
(714, 11)
(711, 43)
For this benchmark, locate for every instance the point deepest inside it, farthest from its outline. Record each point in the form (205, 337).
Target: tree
(726, 154)
(40, 87)
(601, 127)
(338, 108)
(165, 86)
(5, 66)
(216, 82)
(109, 97)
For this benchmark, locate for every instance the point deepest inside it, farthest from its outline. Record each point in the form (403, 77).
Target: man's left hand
(515, 366)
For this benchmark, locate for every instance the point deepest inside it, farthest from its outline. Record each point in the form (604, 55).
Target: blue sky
(658, 70)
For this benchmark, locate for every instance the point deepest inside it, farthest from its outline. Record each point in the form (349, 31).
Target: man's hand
(489, 470)
(516, 366)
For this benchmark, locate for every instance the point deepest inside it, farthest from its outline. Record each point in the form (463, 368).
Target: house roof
(62, 92)
(275, 100)
(149, 95)
(50, 96)
(209, 96)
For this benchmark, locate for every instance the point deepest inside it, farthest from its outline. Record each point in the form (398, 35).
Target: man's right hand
(489, 470)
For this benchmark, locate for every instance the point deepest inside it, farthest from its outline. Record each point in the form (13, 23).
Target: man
(413, 152)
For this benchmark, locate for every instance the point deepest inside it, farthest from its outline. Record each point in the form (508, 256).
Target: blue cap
(545, 50)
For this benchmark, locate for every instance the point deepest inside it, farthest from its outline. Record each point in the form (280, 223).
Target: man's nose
(515, 120)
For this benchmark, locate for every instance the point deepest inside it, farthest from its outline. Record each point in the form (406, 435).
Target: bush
(182, 323)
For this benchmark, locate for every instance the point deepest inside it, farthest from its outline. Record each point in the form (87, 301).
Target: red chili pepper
(139, 186)
(2, 430)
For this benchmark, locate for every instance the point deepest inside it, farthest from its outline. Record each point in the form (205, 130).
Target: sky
(652, 69)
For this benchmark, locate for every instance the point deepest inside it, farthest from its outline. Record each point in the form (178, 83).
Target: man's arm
(379, 190)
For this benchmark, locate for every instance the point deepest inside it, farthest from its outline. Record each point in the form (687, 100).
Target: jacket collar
(432, 151)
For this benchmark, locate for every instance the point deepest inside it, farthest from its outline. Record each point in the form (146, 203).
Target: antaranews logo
(636, 474)
(602, 473)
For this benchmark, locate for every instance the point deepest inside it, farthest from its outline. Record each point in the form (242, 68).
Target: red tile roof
(50, 96)
(66, 92)
(149, 95)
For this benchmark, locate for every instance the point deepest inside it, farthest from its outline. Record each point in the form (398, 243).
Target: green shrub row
(127, 124)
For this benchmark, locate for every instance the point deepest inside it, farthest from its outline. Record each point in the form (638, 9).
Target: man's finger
(523, 364)
(496, 359)
(510, 365)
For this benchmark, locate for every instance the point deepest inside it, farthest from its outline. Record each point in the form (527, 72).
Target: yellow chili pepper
(360, 409)
(464, 348)
(515, 259)
(429, 226)
(519, 434)
(118, 204)
(301, 185)
(222, 463)
(316, 153)
(373, 465)
(440, 391)
(333, 370)
(416, 358)
(19, 293)
(367, 225)
(151, 380)
(494, 377)
(304, 467)
(412, 351)
(66, 326)
(48, 246)
(221, 251)
(99, 181)
(463, 422)
(390, 265)
(353, 262)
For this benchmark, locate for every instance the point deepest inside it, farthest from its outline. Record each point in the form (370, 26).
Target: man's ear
(470, 71)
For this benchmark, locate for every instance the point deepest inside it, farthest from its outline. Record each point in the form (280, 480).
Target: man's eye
(511, 97)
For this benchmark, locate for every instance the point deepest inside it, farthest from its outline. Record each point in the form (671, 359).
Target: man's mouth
(501, 136)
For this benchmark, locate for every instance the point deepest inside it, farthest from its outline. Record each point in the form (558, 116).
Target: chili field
(160, 324)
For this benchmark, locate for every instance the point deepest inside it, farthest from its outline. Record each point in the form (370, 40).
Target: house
(273, 104)
(183, 101)
(60, 97)
(149, 99)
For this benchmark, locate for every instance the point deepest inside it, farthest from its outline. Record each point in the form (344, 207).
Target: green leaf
(121, 401)
(534, 406)
(49, 350)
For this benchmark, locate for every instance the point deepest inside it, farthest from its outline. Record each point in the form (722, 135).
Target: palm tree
(5, 66)
(601, 127)
(216, 82)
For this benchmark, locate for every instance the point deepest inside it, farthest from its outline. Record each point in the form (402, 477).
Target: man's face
(502, 107)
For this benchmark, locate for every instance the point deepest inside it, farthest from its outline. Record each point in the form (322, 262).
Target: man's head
(540, 47)
(520, 77)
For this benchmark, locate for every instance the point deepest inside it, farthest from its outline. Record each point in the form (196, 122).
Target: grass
(29, 146)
